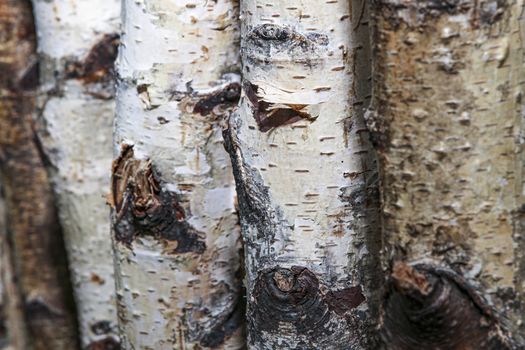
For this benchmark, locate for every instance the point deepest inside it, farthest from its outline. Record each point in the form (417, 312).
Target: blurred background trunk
(447, 119)
(77, 46)
(33, 241)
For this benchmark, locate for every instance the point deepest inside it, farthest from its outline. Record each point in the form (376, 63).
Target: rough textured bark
(448, 123)
(77, 43)
(305, 175)
(12, 327)
(176, 234)
(31, 217)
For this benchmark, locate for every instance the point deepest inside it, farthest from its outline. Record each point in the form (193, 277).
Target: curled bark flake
(142, 208)
(269, 115)
(432, 308)
(98, 66)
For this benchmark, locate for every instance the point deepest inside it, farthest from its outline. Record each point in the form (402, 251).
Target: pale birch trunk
(305, 175)
(176, 235)
(77, 42)
(448, 122)
(33, 229)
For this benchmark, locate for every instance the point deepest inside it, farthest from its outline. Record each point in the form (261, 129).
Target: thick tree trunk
(13, 332)
(77, 41)
(31, 218)
(305, 175)
(448, 122)
(176, 234)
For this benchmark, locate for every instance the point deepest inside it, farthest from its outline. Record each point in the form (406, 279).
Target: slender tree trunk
(305, 175)
(12, 329)
(176, 235)
(4, 336)
(448, 123)
(31, 218)
(77, 41)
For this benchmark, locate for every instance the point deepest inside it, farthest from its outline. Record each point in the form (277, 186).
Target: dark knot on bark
(432, 308)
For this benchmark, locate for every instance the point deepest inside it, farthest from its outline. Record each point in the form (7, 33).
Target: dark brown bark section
(432, 308)
(227, 97)
(227, 326)
(142, 208)
(108, 343)
(39, 256)
(98, 65)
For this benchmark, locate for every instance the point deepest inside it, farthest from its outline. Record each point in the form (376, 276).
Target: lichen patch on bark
(142, 208)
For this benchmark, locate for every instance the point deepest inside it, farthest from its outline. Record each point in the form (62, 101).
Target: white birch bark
(305, 175)
(77, 45)
(176, 236)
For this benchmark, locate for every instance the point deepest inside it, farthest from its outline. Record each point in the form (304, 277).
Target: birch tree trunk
(448, 123)
(32, 223)
(176, 235)
(77, 43)
(305, 175)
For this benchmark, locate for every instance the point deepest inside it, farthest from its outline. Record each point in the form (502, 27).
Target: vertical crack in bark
(432, 308)
(142, 208)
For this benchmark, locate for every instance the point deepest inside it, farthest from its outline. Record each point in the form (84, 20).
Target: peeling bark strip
(176, 233)
(142, 209)
(36, 247)
(77, 45)
(429, 308)
(311, 240)
(447, 118)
